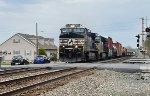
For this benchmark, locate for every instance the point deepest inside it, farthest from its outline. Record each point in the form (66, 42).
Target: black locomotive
(77, 43)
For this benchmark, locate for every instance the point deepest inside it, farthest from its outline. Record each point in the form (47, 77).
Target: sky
(119, 19)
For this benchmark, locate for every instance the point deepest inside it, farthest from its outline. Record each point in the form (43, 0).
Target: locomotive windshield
(78, 30)
(72, 30)
(66, 30)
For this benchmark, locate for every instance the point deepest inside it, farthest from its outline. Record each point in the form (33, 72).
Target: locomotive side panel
(110, 47)
(119, 48)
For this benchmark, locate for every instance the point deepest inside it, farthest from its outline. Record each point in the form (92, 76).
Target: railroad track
(34, 85)
(116, 60)
(17, 70)
(22, 72)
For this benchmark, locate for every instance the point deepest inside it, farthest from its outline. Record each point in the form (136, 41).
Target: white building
(25, 45)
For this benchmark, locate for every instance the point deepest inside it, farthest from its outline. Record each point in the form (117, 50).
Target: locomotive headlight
(76, 46)
(63, 46)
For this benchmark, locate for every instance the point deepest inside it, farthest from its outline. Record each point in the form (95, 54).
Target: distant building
(25, 45)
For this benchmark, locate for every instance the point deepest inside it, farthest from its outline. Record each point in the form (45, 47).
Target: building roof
(44, 45)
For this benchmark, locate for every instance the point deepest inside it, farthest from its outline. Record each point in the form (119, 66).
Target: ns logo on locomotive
(77, 43)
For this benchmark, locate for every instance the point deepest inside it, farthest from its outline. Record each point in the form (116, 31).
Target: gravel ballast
(106, 83)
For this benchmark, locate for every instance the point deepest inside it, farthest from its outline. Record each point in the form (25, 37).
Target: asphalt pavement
(113, 66)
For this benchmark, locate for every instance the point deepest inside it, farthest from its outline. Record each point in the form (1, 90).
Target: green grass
(5, 63)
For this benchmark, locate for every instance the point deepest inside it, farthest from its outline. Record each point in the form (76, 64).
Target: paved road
(118, 66)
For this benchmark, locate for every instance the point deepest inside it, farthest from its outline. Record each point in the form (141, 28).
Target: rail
(31, 86)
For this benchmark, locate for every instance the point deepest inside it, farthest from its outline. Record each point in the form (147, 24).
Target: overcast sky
(118, 19)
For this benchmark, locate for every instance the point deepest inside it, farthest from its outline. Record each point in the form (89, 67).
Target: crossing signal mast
(147, 30)
(138, 40)
(142, 48)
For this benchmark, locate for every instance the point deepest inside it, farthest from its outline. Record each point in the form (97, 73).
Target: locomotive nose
(70, 54)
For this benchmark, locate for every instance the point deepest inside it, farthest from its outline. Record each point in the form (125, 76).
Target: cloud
(2, 4)
(117, 18)
(76, 1)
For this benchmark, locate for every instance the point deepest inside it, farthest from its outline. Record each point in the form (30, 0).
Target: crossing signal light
(138, 39)
(138, 36)
(147, 29)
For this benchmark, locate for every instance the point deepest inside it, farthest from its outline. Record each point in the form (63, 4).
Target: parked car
(41, 59)
(19, 60)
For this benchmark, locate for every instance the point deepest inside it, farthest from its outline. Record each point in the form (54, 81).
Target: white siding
(50, 52)
(10, 47)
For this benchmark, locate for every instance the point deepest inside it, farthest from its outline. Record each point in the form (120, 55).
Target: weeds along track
(34, 85)
(20, 73)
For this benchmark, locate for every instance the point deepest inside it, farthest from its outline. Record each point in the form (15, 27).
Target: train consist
(77, 43)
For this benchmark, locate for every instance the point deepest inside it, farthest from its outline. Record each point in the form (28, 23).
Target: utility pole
(37, 39)
(142, 32)
(146, 21)
(0, 62)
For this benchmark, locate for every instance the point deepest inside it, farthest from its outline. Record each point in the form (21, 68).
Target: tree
(54, 57)
(147, 45)
(42, 52)
(130, 49)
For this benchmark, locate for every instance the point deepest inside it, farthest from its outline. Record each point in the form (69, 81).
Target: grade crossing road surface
(89, 65)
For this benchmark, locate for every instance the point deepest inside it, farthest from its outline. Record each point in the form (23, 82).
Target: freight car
(77, 43)
(119, 49)
(106, 48)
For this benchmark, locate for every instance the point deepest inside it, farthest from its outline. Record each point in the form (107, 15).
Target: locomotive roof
(74, 26)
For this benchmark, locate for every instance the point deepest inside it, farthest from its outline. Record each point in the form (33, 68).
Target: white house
(25, 45)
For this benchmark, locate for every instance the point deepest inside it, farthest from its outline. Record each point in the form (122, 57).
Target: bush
(42, 52)
(54, 57)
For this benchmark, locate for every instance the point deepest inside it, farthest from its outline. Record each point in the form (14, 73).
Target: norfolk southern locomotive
(77, 43)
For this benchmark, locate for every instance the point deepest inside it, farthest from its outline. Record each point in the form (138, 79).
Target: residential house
(25, 45)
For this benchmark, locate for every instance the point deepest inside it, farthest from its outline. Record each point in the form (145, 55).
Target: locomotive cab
(75, 43)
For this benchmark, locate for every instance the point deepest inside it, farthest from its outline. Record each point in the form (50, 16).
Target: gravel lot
(106, 83)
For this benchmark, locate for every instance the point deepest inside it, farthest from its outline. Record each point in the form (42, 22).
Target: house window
(16, 52)
(5, 52)
(16, 41)
(28, 52)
